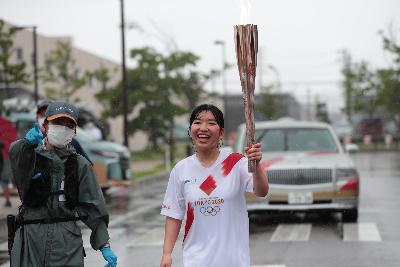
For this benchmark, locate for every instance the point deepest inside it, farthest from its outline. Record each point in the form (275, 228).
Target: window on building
(93, 82)
(19, 53)
(77, 73)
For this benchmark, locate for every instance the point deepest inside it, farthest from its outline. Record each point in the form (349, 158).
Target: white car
(306, 167)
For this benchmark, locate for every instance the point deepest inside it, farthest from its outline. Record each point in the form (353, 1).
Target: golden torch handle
(246, 45)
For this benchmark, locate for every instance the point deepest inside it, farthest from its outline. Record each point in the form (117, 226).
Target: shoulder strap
(71, 181)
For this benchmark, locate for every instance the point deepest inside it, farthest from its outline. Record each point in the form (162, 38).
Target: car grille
(300, 176)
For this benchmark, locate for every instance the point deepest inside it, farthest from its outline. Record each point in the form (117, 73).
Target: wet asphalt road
(280, 241)
(136, 228)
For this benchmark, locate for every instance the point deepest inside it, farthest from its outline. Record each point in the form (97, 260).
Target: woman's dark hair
(219, 117)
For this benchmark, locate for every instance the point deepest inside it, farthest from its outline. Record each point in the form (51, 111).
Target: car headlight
(345, 174)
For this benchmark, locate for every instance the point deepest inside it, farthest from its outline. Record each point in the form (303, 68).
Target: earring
(194, 149)
(220, 143)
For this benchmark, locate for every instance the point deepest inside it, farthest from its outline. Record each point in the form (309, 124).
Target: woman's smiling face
(205, 131)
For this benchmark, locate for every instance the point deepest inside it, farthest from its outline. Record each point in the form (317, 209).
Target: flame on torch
(245, 7)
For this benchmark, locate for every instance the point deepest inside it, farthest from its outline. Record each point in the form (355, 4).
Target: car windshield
(296, 139)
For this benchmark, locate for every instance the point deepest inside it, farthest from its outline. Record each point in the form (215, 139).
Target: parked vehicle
(308, 170)
(23, 121)
(111, 161)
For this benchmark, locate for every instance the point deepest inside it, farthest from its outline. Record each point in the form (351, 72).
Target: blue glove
(34, 136)
(109, 256)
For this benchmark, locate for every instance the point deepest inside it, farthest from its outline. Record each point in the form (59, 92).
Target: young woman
(210, 187)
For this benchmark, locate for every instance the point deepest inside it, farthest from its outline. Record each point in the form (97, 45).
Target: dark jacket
(56, 244)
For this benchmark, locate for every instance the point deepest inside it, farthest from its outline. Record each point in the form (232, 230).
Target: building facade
(85, 61)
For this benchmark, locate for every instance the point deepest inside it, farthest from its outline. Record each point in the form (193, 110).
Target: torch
(246, 46)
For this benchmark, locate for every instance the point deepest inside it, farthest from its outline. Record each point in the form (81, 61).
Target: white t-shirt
(217, 224)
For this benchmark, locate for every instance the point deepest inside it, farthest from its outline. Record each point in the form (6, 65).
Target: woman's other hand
(166, 260)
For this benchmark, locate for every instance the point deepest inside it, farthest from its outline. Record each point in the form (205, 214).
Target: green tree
(159, 89)
(193, 85)
(368, 90)
(102, 76)
(61, 74)
(269, 103)
(10, 73)
(389, 78)
(360, 87)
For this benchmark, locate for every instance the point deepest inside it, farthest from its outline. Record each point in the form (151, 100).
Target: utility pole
(124, 80)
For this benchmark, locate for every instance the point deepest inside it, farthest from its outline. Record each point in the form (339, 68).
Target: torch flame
(244, 12)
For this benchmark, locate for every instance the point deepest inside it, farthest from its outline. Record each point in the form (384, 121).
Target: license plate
(300, 198)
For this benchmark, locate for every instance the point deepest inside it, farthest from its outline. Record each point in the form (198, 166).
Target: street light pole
(124, 79)
(225, 90)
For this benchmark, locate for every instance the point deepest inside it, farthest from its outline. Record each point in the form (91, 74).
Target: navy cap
(60, 109)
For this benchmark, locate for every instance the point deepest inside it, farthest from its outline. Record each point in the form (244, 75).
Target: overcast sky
(300, 38)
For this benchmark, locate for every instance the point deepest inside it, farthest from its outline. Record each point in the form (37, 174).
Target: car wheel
(350, 215)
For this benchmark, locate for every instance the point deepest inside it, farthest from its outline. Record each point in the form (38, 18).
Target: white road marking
(269, 265)
(291, 232)
(361, 232)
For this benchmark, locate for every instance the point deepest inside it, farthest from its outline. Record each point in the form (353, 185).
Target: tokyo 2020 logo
(210, 210)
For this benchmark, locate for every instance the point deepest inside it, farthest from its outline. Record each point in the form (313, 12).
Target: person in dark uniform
(57, 187)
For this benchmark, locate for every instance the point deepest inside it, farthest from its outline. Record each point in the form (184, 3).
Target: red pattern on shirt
(229, 162)
(189, 220)
(208, 185)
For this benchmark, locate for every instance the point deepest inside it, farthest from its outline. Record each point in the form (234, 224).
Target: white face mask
(59, 136)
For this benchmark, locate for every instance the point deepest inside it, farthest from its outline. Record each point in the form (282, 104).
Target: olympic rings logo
(210, 210)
